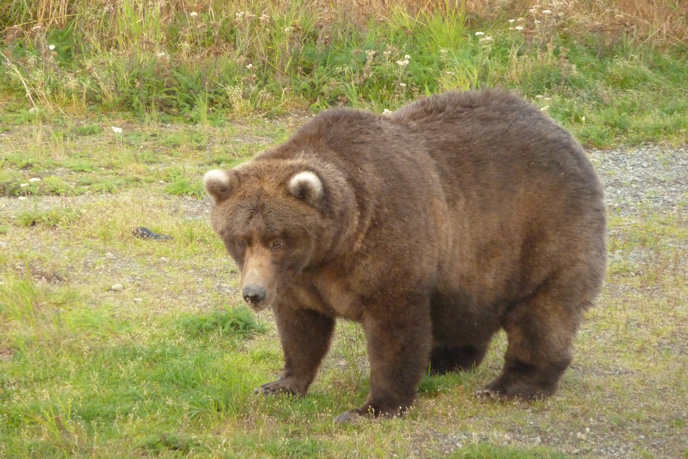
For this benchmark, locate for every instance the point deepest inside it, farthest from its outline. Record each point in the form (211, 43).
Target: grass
(166, 365)
(607, 70)
(133, 105)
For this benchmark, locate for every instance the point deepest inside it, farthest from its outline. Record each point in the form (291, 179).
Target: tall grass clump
(239, 322)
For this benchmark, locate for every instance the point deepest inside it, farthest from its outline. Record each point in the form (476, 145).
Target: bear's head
(276, 219)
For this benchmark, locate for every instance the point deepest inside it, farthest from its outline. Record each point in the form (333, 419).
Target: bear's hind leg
(444, 359)
(540, 333)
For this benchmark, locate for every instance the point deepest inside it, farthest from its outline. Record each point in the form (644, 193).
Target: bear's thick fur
(434, 227)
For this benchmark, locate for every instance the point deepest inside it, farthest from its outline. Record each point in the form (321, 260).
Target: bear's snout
(254, 294)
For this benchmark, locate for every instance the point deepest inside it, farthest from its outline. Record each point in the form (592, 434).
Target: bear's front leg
(399, 343)
(305, 336)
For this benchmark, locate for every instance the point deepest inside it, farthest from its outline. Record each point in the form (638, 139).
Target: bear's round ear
(308, 187)
(219, 184)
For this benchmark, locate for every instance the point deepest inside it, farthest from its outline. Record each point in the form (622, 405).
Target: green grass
(166, 366)
(162, 63)
(239, 322)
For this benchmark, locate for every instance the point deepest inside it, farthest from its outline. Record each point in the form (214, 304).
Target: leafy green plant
(10, 182)
(226, 322)
(178, 443)
(48, 218)
(185, 187)
(88, 130)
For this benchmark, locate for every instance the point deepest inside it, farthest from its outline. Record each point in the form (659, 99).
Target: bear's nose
(254, 294)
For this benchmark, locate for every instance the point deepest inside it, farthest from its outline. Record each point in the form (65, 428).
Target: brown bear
(433, 227)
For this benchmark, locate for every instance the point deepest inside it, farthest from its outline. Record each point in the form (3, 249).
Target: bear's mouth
(259, 306)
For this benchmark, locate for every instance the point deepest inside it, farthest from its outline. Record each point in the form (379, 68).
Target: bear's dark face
(270, 228)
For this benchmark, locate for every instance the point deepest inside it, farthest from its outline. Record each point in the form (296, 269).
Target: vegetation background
(607, 69)
(112, 110)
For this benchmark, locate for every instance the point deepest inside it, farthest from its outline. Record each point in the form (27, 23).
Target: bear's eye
(241, 244)
(275, 244)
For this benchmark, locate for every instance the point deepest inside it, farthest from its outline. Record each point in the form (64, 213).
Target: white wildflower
(34, 179)
(487, 39)
(288, 29)
(479, 34)
(511, 21)
(518, 27)
(264, 18)
(370, 53)
(545, 108)
(51, 47)
(23, 185)
(546, 11)
(443, 51)
(403, 85)
(249, 66)
(403, 63)
(193, 14)
(407, 57)
(116, 130)
(386, 112)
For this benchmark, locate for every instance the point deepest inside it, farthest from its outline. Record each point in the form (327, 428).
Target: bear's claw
(274, 388)
(489, 394)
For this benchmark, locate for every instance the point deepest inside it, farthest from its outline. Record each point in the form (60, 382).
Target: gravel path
(635, 179)
(646, 178)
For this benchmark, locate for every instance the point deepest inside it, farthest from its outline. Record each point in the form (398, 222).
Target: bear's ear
(219, 184)
(308, 187)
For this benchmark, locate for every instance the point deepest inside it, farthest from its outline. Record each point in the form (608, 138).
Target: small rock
(117, 288)
(109, 255)
(138, 300)
(144, 233)
(163, 259)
